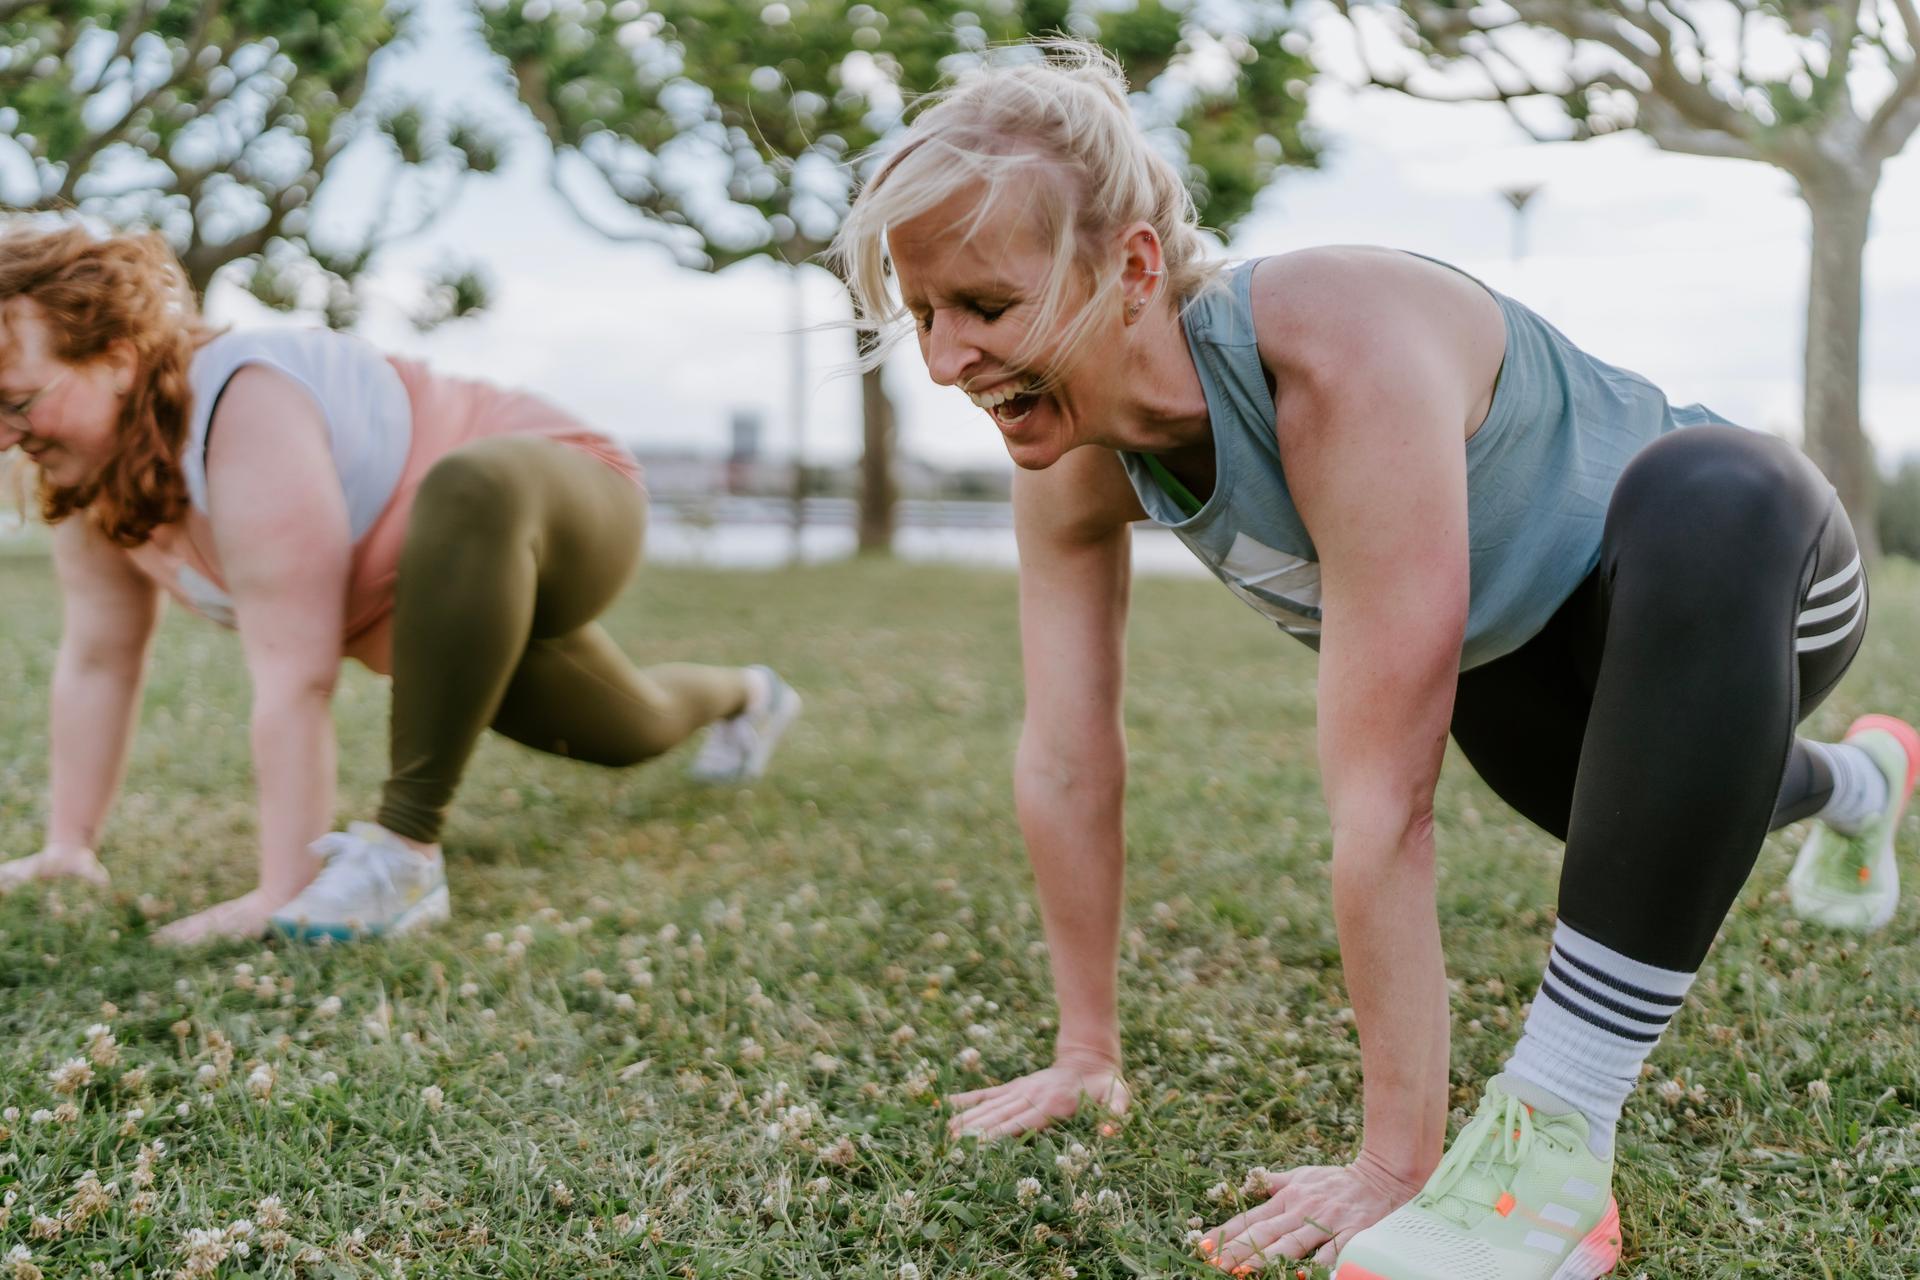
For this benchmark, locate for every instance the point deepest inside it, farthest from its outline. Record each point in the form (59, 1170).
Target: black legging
(1651, 723)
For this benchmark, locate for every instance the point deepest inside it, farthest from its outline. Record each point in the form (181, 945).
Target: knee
(469, 489)
(1715, 499)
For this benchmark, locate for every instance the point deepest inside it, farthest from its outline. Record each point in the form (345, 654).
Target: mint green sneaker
(1852, 881)
(1519, 1196)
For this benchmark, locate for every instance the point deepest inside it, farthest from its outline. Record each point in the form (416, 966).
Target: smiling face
(974, 281)
(61, 415)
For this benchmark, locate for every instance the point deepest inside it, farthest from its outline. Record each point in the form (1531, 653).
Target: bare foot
(53, 864)
(243, 917)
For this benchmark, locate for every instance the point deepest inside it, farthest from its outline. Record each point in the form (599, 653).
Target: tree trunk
(1841, 207)
(876, 463)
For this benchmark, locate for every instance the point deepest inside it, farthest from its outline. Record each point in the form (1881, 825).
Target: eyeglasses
(15, 415)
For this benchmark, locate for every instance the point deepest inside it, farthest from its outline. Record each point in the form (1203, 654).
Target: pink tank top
(447, 413)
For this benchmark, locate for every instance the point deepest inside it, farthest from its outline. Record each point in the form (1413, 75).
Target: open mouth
(1009, 403)
(1015, 410)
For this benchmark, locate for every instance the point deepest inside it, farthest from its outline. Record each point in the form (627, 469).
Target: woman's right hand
(1037, 1100)
(55, 862)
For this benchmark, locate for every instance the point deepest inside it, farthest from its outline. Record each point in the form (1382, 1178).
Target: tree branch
(1896, 119)
(1659, 121)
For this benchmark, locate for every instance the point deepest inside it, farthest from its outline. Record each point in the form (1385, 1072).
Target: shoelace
(348, 856)
(1480, 1166)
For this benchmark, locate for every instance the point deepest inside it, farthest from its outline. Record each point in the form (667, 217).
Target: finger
(1116, 1097)
(1330, 1251)
(972, 1096)
(1275, 1181)
(1298, 1242)
(1027, 1119)
(1236, 1228)
(1254, 1242)
(977, 1120)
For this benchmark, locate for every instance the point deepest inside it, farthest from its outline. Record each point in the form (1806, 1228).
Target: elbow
(1047, 765)
(301, 694)
(1379, 844)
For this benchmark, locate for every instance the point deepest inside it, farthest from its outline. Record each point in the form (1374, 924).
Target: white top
(365, 405)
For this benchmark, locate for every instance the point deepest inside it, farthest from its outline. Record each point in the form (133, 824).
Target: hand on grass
(243, 917)
(1037, 1100)
(55, 862)
(1313, 1212)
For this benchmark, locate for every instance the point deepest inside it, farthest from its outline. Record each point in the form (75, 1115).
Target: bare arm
(1381, 379)
(1382, 485)
(1070, 773)
(280, 525)
(107, 621)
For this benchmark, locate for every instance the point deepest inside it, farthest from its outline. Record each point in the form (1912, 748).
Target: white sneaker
(1852, 882)
(372, 886)
(737, 749)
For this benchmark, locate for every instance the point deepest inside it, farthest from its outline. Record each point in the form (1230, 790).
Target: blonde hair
(95, 290)
(1053, 132)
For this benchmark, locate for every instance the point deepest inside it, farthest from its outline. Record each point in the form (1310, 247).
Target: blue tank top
(1540, 472)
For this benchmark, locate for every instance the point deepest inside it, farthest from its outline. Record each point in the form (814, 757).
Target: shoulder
(266, 396)
(1345, 320)
(265, 422)
(1349, 299)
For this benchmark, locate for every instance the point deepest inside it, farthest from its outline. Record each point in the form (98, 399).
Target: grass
(674, 1032)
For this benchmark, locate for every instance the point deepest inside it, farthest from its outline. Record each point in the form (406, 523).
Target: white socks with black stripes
(1859, 788)
(1597, 1016)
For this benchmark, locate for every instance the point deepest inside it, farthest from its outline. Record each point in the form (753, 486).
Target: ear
(1142, 269)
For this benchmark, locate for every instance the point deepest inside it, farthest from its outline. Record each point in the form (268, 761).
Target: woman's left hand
(243, 917)
(1313, 1212)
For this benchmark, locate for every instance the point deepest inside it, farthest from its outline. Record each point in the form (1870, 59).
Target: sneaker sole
(1595, 1256)
(435, 908)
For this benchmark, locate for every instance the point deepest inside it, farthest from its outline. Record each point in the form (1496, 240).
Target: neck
(1163, 408)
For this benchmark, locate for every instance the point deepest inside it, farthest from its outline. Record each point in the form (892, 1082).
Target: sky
(1690, 271)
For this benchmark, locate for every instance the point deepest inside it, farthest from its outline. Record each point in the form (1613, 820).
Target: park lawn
(681, 1032)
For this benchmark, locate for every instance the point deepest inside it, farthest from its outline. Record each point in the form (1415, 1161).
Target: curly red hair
(94, 291)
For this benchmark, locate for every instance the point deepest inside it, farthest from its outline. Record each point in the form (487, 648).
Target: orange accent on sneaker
(1354, 1271)
(1505, 1204)
(1865, 875)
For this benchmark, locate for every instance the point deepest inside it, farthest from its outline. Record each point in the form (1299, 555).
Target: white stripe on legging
(1827, 639)
(1826, 611)
(1827, 584)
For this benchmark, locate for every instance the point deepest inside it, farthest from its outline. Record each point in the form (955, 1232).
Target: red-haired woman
(326, 501)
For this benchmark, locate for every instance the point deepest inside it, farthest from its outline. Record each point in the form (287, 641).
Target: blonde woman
(1619, 607)
(328, 502)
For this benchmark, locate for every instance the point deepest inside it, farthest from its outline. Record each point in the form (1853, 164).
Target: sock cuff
(1624, 975)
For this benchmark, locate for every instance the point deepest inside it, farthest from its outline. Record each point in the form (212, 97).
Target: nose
(949, 352)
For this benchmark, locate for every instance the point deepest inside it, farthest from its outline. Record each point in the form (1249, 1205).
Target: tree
(730, 128)
(219, 122)
(1828, 91)
(1900, 510)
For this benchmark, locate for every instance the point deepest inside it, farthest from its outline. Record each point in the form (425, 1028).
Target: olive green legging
(515, 545)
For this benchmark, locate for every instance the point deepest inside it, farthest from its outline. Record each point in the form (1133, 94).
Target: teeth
(999, 396)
